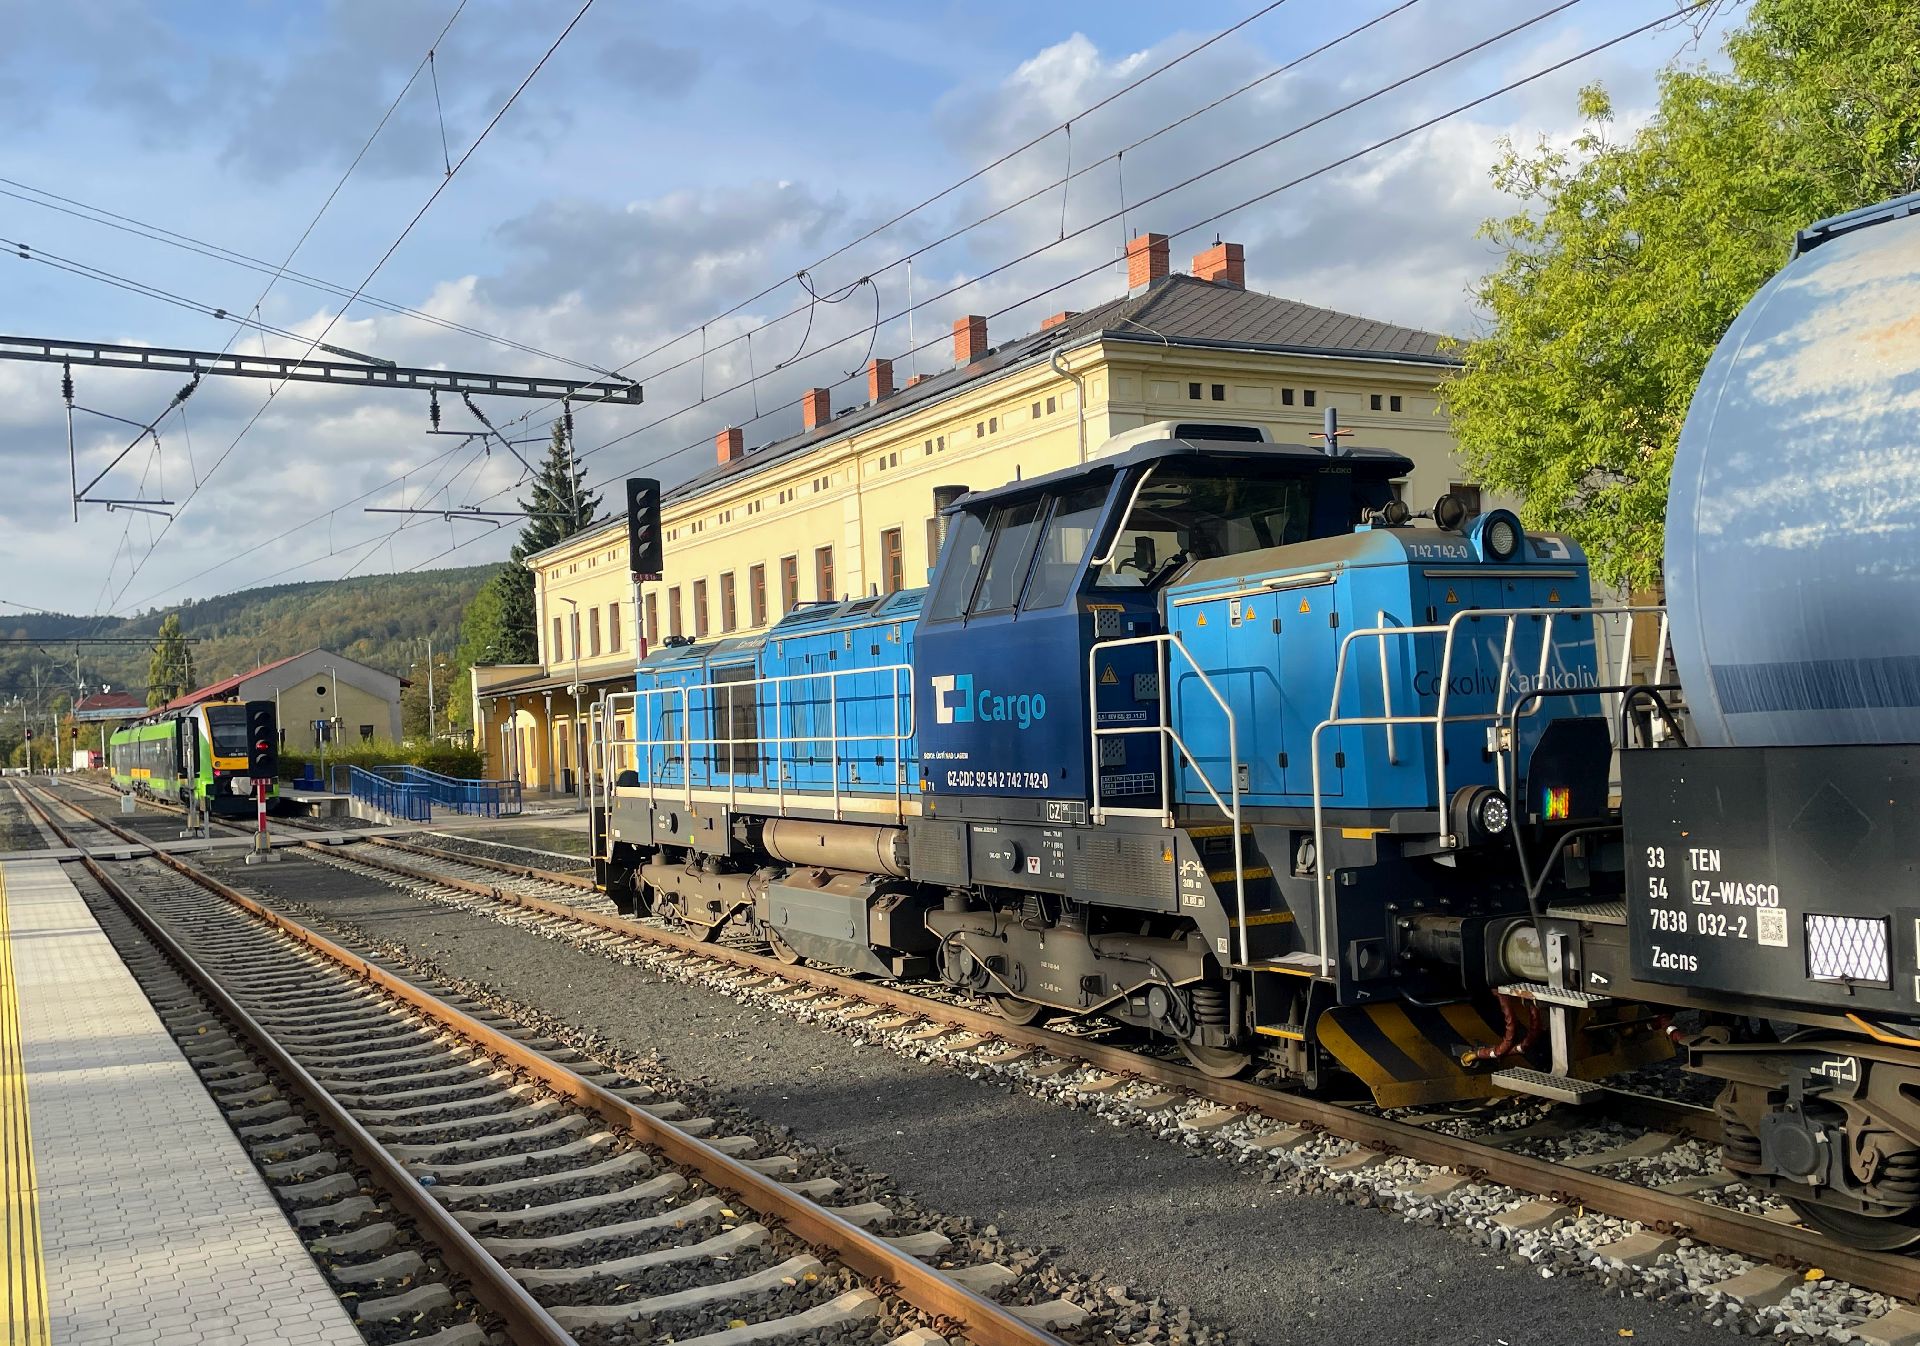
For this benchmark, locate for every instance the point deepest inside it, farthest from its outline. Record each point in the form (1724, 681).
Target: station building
(357, 702)
(847, 506)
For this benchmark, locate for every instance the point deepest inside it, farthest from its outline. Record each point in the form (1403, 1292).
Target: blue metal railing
(409, 800)
(484, 798)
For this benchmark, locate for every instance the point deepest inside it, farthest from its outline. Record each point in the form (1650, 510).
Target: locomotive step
(1560, 1088)
(1553, 995)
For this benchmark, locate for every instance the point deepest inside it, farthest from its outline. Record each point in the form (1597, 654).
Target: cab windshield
(227, 727)
(1180, 516)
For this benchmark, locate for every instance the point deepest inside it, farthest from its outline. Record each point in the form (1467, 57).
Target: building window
(1193, 392)
(892, 563)
(993, 425)
(933, 542)
(673, 611)
(1050, 403)
(1307, 397)
(653, 620)
(699, 609)
(823, 573)
(728, 613)
(1286, 397)
(613, 628)
(980, 430)
(573, 621)
(757, 595)
(593, 632)
(1373, 402)
(789, 584)
(927, 452)
(1469, 495)
(556, 651)
(1219, 391)
(939, 443)
(1036, 411)
(1393, 403)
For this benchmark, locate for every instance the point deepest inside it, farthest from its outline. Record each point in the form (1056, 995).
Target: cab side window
(960, 557)
(1064, 546)
(1016, 528)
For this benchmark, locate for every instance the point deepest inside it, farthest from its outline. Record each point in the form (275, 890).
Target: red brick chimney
(879, 380)
(969, 339)
(730, 445)
(816, 408)
(1147, 260)
(918, 379)
(1223, 264)
(1062, 316)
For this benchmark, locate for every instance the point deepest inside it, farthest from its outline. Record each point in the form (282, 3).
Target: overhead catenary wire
(1231, 161)
(908, 258)
(374, 271)
(1219, 215)
(127, 224)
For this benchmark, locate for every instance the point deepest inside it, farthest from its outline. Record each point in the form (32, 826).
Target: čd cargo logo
(955, 702)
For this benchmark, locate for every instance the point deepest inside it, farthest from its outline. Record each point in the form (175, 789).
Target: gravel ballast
(1274, 1263)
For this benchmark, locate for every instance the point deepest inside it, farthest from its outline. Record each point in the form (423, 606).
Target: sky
(652, 197)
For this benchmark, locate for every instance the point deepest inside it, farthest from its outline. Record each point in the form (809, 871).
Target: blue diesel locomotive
(1208, 736)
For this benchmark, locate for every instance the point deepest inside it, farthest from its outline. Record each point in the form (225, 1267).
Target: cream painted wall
(850, 493)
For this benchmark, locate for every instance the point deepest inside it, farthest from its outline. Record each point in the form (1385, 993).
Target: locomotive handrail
(1439, 719)
(900, 689)
(1167, 732)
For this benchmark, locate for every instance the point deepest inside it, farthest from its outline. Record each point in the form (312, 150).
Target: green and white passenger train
(203, 755)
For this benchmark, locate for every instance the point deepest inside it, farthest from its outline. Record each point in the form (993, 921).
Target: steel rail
(982, 1321)
(492, 1283)
(1752, 1235)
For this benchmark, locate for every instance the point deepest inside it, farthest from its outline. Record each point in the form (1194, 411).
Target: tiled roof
(1180, 309)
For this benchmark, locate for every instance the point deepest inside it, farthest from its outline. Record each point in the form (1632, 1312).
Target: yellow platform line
(25, 1270)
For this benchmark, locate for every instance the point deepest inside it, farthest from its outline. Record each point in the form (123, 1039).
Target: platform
(131, 1214)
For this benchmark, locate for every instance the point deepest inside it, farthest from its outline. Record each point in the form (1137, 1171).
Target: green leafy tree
(170, 672)
(559, 506)
(1627, 259)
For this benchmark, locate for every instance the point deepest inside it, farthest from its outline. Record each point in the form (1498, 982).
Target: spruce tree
(560, 506)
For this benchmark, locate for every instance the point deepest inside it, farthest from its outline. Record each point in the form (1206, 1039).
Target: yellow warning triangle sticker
(1305, 606)
(1452, 597)
(1553, 595)
(1203, 619)
(1107, 679)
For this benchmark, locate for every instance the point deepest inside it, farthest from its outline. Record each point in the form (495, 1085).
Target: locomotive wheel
(782, 950)
(1880, 1234)
(1017, 1011)
(1218, 1063)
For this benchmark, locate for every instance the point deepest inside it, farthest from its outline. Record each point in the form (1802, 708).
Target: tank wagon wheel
(782, 950)
(1218, 1063)
(1879, 1234)
(1017, 1011)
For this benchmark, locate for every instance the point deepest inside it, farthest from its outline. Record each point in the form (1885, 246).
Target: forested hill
(382, 620)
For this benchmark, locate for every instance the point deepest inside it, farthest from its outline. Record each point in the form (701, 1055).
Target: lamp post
(579, 738)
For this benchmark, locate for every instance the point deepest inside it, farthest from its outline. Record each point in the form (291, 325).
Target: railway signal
(647, 557)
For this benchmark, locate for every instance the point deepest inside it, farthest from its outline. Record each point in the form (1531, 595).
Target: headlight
(240, 785)
(1492, 813)
(1502, 539)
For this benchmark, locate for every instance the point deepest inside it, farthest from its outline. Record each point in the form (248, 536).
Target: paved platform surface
(152, 1224)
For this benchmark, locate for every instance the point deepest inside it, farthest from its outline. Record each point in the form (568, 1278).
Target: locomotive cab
(1035, 574)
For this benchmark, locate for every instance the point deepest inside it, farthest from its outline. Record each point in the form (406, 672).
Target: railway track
(546, 1193)
(556, 903)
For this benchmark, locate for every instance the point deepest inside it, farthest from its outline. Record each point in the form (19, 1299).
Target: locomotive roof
(1377, 462)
